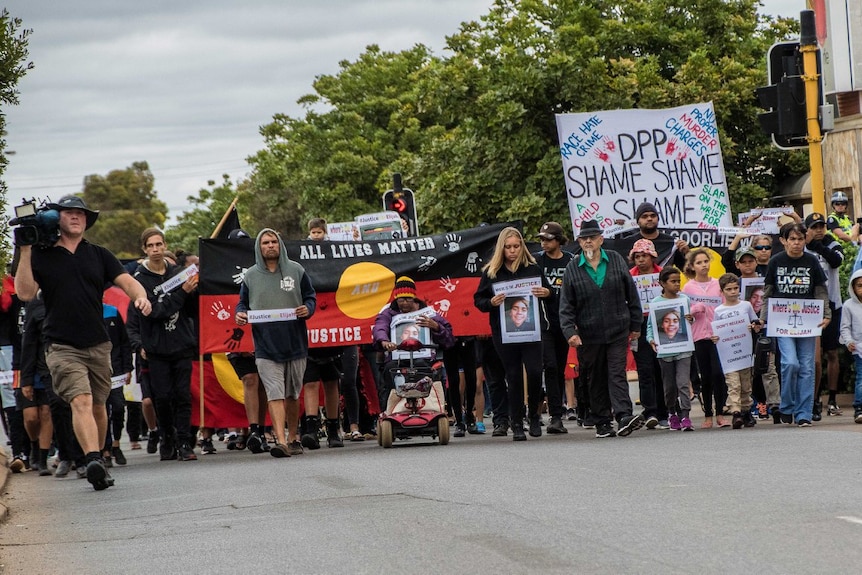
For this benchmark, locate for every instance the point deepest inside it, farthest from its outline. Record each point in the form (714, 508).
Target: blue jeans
(857, 396)
(797, 376)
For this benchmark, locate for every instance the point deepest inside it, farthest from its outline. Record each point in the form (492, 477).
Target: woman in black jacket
(511, 261)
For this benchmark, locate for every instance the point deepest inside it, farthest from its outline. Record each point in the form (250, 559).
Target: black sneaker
(604, 430)
(737, 420)
(501, 430)
(207, 446)
(167, 450)
(816, 413)
(518, 432)
(254, 442)
(333, 435)
(108, 462)
(98, 476)
(776, 416)
(571, 414)
(119, 457)
(748, 420)
(186, 453)
(264, 444)
(803, 423)
(153, 442)
(535, 426)
(460, 430)
(787, 418)
(651, 422)
(857, 415)
(630, 423)
(556, 426)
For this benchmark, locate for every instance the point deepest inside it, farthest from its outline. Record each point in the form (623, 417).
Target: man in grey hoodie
(281, 292)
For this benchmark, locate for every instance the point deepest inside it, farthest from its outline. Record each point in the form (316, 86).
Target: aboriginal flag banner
(353, 281)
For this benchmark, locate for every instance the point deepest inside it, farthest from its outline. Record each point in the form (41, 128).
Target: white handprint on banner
(473, 261)
(453, 242)
(447, 284)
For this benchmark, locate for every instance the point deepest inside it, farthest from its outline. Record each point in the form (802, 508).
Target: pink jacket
(703, 314)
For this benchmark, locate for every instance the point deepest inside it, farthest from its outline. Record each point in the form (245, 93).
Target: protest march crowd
(563, 327)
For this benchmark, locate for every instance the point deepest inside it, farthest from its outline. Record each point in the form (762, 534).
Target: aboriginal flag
(353, 281)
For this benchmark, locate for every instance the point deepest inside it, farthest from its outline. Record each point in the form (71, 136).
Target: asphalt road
(773, 499)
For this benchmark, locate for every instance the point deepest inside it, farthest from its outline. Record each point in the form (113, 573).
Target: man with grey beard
(600, 312)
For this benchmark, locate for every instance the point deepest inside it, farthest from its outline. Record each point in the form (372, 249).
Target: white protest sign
(342, 232)
(519, 313)
(734, 343)
(670, 329)
(794, 317)
(648, 288)
(615, 160)
(177, 280)
(707, 300)
(270, 315)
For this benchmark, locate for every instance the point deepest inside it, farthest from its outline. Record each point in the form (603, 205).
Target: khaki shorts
(281, 379)
(80, 371)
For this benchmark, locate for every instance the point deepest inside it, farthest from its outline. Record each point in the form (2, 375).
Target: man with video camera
(72, 274)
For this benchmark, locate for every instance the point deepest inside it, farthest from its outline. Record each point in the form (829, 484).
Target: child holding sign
(676, 367)
(738, 381)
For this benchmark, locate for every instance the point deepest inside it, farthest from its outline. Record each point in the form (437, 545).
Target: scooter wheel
(443, 430)
(384, 433)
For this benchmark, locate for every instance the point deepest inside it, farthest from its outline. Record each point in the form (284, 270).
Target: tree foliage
(127, 204)
(474, 133)
(209, 206)
(13, 66)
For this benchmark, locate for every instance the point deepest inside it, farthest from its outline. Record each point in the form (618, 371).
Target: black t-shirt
(794, 277)
(553, 270)
(72, 287)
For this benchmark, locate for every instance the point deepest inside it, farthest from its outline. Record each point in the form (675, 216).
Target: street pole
(808, 47)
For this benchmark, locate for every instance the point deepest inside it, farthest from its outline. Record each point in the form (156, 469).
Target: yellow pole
(809, 49)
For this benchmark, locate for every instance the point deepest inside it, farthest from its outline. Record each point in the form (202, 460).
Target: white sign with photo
(671, 331)
(751, 290)
(519, 313)
(734, 344)
(343, 232)
(403, 326)
(615, 160)
(794, 317)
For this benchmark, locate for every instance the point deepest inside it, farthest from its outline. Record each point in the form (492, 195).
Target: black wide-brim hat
(76, 203)
(589, 229)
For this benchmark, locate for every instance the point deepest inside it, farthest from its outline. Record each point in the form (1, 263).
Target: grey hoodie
(851, 315)
(287, 287)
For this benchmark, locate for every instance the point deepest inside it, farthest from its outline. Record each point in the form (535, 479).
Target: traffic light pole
(808, 47)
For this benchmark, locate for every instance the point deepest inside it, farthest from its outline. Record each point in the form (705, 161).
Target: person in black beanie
(670, 250)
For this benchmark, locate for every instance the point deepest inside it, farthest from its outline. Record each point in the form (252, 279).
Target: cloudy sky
(185, 86)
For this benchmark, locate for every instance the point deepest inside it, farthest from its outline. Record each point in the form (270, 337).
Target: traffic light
(787, 119)
(400, 199)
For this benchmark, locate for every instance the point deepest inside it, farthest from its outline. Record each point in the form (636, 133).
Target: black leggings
(350, 373)
(516, 358)
(461, 356)
(712, 382)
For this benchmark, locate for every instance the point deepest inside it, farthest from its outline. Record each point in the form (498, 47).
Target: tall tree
(209, 206)
(13, 54)
(127, 204)
(474, 133)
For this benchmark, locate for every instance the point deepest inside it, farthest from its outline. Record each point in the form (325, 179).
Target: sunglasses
(839, 203)
(760, 248)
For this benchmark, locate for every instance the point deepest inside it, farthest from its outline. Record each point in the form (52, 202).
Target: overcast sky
(186, 85)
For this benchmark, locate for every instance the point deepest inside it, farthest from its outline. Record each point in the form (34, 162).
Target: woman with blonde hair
(512, 261)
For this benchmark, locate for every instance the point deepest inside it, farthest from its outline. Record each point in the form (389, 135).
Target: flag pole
(218, 228)
(224, 217)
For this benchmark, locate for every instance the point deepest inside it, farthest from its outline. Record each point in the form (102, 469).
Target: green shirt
(597, 274)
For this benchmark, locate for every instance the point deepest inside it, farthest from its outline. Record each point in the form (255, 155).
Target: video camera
(37, 225)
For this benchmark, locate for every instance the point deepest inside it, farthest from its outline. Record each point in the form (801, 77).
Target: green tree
(209, 206)
(13, 54)
(474, 133)
(127, 204)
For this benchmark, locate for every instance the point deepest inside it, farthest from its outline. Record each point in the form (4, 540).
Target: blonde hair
(498, 260)
(689, 261)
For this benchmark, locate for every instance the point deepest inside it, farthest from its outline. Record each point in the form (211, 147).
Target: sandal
(722, 422)
(355, 436)
(135, 445)
(707, 423)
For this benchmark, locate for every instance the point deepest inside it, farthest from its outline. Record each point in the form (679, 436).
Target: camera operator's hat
(589, 229)
(75, 203)
(814, 219)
